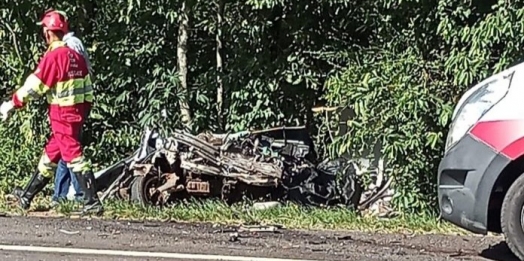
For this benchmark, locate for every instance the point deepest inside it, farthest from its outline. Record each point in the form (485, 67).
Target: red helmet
(54, 21)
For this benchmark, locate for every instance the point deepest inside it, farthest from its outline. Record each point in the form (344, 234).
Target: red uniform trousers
(64, 143)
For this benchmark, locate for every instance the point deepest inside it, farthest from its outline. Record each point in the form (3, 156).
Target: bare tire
(142, 190)
(512, 217)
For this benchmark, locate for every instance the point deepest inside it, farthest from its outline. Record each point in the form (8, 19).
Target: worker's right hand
(5, 108)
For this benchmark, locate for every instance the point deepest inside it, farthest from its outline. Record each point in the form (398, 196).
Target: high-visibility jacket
(63, 76)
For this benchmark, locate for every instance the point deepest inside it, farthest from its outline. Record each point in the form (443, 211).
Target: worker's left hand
(5, 108)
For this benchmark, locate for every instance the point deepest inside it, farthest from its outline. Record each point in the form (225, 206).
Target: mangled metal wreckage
(275, 164)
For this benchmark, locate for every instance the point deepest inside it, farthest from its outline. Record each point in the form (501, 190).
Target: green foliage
(407, 121)
(404, 85)
(399, 65)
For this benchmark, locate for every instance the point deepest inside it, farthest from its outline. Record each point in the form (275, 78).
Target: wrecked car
(274, 164)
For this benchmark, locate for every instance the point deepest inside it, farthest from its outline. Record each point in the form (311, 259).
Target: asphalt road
(24, 237)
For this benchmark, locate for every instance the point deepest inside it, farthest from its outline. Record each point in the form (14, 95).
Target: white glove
(5, 108)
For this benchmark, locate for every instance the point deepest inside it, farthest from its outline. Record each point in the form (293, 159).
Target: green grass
(289, 216)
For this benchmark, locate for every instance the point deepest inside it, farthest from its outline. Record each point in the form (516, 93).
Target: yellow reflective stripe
(73, 88)
(71, 100)
(46, 167)
(80, 165)
(32, 88)
(71, 92)
(55, 45)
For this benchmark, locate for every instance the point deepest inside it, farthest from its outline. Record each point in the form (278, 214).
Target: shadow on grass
(499, 252)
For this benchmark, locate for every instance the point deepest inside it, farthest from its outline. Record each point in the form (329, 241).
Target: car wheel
(512, 217)
(143, 190)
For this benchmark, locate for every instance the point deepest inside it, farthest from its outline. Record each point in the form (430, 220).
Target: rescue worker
(61, 75)
(63, 176)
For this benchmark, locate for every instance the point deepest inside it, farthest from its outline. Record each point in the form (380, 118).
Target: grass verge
(288, 215)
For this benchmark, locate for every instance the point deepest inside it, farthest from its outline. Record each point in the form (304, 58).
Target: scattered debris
(69, 232)
(266, 205)
(272, 229)
(290, 246)
(233, 237)
(225, 230)
(344, 238)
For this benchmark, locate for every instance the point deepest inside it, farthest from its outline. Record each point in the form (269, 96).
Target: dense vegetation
(230, 65)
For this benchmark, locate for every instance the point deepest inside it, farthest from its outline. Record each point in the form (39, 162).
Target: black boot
(92, 204)
(35, 185)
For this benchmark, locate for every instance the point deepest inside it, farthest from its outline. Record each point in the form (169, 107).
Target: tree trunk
(220, 66)
(182, 66)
